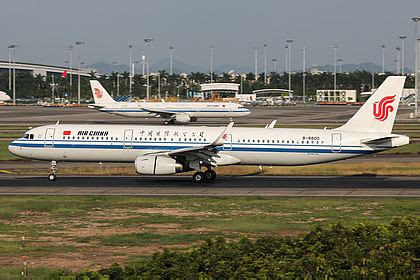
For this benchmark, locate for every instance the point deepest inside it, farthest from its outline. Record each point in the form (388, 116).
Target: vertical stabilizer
(379, 111)
(100, 95)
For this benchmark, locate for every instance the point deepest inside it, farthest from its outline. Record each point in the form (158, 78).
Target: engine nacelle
(157, 165)
(182, 118)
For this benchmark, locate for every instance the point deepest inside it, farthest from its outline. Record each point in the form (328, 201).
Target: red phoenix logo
(381, 109)
(98, 92)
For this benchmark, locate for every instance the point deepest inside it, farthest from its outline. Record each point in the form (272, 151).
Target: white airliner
(180, 112)
(160, 150)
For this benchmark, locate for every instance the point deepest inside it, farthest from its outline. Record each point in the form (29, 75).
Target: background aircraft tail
(379, 111)
(100, 95)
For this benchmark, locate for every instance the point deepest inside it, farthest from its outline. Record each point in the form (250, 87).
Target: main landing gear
(171, 121)
(206, 176)
(52, 176)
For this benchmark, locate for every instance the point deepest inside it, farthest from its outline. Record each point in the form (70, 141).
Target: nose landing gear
(52, 176)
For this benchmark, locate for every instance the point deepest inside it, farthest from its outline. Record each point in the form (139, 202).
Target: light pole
(265, 64)
(416, 65)
(274, 65)
(256, 62)
(13, 48)
(171, 56)
(304, 75)
(383, 59)
(131, 67)
(71, 65)
(335, 68)
(286, 48)
(118, 79)
(402, 54)
(289, 48)
(147, 41)
(78, 44)
(211, 61)
(340, 61)
(397, 60)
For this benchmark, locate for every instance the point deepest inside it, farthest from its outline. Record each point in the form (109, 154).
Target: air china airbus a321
(180, 112)
(162, 150)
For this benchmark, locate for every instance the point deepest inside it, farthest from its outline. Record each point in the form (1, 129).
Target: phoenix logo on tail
(98, 92)
(382, 110)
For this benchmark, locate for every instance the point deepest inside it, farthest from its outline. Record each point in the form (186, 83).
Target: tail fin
(379, 111)
(100, 95)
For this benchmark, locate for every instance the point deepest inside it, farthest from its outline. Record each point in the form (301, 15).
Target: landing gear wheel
(198, 177)
(166, 122)
(52, 177)
(210, 175)
(53, 169)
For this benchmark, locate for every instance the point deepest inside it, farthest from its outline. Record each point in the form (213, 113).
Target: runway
(288, 186)
(325, 115)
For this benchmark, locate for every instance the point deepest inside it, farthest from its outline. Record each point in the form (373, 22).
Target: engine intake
(157, 165)
(182, 118)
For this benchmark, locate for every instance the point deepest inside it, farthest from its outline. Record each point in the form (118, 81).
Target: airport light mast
(274, 65)
(211, 61)
(416, 65)
(118, 79)
(146, 60)
(71, 65)
(340, 62)
(171, 55)
(383, 59)
(397, 60)
(131, 66)
(304, 75)
(402, 54)
(265, 64)
(289, 49)
(12, 49)
(256, 62)
(78, 44)
(335, 68)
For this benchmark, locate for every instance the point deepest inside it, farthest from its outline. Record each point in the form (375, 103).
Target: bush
(366, 251)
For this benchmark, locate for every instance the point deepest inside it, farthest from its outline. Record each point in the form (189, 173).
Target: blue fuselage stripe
(158, 146)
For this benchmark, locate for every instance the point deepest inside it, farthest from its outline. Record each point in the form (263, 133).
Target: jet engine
(157, 165)
(182, 118)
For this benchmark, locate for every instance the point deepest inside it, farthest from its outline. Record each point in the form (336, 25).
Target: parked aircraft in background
(180, 112)
(4, 96)
(162, 150)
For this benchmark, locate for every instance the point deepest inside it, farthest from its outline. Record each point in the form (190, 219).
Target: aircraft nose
(13, 149)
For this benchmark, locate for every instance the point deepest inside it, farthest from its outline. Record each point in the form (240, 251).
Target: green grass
(10, 135)
(82, 224)
(14, 273)
(147, 238)
(4, 152)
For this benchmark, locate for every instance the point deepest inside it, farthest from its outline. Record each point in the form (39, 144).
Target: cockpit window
(28, 136)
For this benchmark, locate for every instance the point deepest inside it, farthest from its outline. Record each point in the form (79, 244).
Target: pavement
(290, 186)
(37, 115)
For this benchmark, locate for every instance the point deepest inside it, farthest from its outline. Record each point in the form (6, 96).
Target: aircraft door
(128, 139)
(49, 138)
(227, 146)
(336, 142)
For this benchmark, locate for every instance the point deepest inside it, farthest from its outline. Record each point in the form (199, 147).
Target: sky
(45, 28)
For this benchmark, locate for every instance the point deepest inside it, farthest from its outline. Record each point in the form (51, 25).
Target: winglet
(220, 140)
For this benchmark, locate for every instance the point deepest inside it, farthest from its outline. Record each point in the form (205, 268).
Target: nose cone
(14, 149)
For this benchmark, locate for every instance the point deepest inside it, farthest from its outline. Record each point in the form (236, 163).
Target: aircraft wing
(159, 113)
(207, 152)
(95, 106)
